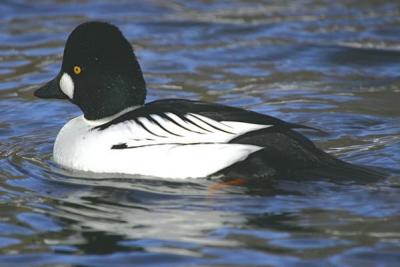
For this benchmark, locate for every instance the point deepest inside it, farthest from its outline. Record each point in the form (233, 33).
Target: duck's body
(171, 138)
(168, 138)
(153, 143)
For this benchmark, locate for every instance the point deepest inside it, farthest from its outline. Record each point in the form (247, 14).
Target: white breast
(163, 146)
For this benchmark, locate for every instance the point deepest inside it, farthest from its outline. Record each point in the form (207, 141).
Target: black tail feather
(342, 171)
(300, 126)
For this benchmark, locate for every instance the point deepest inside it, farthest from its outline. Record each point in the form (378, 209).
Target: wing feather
(162, 130)
(187, 122)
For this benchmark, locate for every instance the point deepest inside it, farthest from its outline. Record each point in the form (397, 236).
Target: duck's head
(99, 72)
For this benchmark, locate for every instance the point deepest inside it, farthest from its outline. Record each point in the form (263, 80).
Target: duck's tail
(339, 170)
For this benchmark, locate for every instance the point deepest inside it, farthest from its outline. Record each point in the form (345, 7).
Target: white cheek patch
(67, 85)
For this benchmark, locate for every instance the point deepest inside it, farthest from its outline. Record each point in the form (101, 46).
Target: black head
(99, 72)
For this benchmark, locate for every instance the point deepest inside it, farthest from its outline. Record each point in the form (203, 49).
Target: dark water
(333, 65)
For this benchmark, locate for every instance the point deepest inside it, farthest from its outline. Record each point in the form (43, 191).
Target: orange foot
(223, 185)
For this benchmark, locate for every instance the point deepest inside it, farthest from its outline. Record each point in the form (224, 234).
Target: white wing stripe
(213, 123)
(152, 128)
(157, 129)
(188, 126)
(244, 127)
(169, 126)
(206, 118)
(200, 123)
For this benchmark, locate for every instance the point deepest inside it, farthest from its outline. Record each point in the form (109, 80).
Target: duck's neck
(109, 118)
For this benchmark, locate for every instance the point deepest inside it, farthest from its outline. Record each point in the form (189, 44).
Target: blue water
(333, 65)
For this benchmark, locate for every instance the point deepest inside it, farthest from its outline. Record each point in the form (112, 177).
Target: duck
(119, 133)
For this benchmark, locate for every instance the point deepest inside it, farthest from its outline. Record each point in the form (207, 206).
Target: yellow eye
(77, 70)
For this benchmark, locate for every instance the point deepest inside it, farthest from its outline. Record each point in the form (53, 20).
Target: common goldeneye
(174, 138)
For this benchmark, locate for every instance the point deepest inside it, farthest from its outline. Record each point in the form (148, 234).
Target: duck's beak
(51, 90)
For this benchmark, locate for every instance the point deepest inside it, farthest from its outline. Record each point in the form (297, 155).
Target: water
(333, 65)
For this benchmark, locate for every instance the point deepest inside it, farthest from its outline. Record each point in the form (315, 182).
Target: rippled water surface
(333, 65)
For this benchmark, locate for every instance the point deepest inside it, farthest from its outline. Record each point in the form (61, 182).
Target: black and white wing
(188, 122)
(188, 138)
